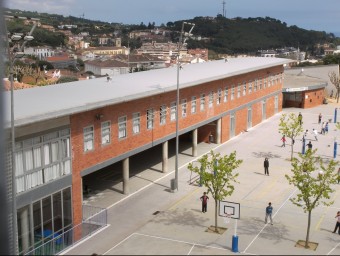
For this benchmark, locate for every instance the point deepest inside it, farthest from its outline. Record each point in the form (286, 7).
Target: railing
(94, 218)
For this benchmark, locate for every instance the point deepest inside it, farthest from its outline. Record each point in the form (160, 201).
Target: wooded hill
(221, 35)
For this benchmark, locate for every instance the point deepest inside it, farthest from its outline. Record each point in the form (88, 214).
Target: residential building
(74, 129)
(106, 67)
(41, 52)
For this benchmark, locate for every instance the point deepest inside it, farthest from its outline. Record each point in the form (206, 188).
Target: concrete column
(194, 142)
(24, 224)
(218, 131)
(165, 157)
(126, 176)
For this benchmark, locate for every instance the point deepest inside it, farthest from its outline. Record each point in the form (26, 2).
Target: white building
(41, 52)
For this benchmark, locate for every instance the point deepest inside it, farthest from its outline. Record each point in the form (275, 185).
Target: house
(61, 61)
(41, 52)
(106, 67)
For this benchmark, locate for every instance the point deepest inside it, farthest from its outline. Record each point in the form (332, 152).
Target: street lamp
(16, 52)
(180, 44)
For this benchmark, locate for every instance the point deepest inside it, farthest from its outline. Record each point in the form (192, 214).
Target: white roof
(43, 103)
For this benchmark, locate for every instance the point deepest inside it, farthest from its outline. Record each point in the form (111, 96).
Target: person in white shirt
(315, 134)
(337, 225)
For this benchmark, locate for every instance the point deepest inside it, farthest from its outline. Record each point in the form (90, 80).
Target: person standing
(326, 127)
(320, 118)
(339, 175)
(283, 141)
(300, 118)
(323, 128)
(315, 134)
(204, 200)
(269, 211)
(309, 145)
(266, 166)
(337, 224)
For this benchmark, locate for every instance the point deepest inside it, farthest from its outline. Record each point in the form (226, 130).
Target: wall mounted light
(99, 116)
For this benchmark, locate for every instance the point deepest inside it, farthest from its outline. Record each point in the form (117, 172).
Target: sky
(306, 14)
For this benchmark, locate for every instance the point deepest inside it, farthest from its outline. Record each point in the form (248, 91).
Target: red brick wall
(314, 98)
(82, 160)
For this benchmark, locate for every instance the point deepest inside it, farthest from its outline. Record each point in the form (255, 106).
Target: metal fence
(94, 218)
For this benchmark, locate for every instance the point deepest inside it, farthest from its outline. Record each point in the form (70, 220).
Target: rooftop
(48, 102)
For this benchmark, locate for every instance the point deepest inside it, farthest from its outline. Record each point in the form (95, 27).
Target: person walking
(326, 127)
(337, 224)
(323, 128)
(283, 139)
(266, 166)
(320, 118)
(269, 211)
(310, 145)
(204, 200)
(300, 118)
(315, 134)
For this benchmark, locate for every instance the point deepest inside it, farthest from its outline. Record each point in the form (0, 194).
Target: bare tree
(334, 78)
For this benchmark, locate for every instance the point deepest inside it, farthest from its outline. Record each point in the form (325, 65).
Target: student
(337, 224)
(266, 166)
(320, 118)
(300, 118)
(315, 132)
(309, 145)
(283, 141)
(204, 200)
(269, 211)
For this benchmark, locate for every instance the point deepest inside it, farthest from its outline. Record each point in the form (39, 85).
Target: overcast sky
(307, 14)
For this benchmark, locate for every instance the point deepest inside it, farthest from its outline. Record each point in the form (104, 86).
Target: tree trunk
(308, 228)
(292, 151)
(337, 95)
(215, 215)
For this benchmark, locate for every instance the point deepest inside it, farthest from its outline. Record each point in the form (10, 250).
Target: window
(250, 86)
(41, 159)
(149, 119)
(122, 127)
(238, 90)
(264, 83)
(219, 96)
(202, 102)
(226, 94)
(232, 96)
(184, 108)
(173, 111)
(211, 99)
(106, 132)
(193, 104)
(162, 115)
(260, 84)
(136, 123)
(255, 85)
(244, 88)
(88, 138)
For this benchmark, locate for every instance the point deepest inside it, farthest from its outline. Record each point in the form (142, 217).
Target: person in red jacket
(204, 200)
(283, 141)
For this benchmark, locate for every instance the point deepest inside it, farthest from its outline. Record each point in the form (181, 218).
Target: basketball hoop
(227, 218)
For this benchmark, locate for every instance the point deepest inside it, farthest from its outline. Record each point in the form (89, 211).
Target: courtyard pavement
(152, 220)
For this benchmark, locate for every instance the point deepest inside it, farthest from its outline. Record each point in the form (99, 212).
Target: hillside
(222, 35)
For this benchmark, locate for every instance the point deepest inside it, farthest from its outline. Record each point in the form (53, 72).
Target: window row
(218, 97)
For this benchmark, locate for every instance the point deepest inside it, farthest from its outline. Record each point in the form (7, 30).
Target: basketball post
(231, 210)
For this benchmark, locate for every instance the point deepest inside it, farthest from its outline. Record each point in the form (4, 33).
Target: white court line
(118, 243)
(333, 249)
(192, 247)
(267, 224)
(178, 241)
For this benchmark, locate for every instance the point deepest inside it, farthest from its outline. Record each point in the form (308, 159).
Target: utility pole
(224, 11)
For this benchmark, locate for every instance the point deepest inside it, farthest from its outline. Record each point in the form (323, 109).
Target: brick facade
(100, 154)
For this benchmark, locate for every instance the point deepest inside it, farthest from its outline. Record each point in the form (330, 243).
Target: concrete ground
(152, 220)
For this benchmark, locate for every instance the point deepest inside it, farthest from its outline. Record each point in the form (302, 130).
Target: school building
(65, 132)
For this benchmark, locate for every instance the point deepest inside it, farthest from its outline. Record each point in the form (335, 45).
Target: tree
(289, 125)
(313, 188)
(217, 175)
(334, 78)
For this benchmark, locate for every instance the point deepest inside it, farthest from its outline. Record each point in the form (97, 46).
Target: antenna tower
(224, 11)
